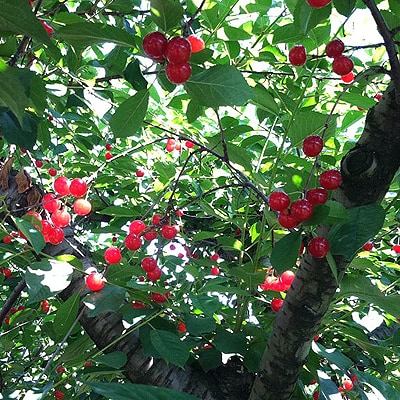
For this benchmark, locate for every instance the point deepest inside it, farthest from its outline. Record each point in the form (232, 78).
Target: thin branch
(389, 44)
(12, 299)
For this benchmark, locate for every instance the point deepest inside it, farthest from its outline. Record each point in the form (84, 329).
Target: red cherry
(277, 285)
(297, 55)
(331, 179)
(342, 65)
(56, 236)
(334, 48)
(150, 235)
(108, 146)
(45, 306)
(312, 145)
(348, 385)
(178, 73)
(78, 187)
(95, 281)
(178, 50)
(108, 156)
(155, 45)
(7, 272)
(52, 172)
(113, 255)
(396, 248)
(189, 144)
(287, 277)
(148, 264)
(278, 201)
(170, 145)
(49, 29)
(138, 304)
(378, 96)
(348, 78)
(7, 239)
(136, 226)
(276, 304)
(179, 213)
(139, 173)
(60, 369)
(368, 246)
(50, 202)
(159, 298)
(318, 247)
(82, 207)
(286, 220)
(301, 210)
(133, 242)
(61, 185)
(168, 231)
(315, 395)
(156, 219)
(182, 327)
(61, 218)
(154, 275)
(178, 146)
(39, 163)
(215, 271)
(317, 196)
(318, 3)
(47, 229)
(58, 394)
(88, 364)
(214, 257)
(196, 43)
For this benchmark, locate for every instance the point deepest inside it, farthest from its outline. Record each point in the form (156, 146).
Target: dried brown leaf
(34, 197)
(5, 172)
(23, 180)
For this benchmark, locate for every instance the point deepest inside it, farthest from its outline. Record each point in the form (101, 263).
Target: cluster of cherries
(176, 52)
(341, 64)
(173, 144)
(134, 241)
(301, 210)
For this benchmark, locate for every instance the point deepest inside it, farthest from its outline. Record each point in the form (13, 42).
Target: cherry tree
(199, 199)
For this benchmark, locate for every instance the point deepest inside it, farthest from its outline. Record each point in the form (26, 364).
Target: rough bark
(368, 170)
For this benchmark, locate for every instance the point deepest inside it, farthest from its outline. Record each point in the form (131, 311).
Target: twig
(387, 36)
(12, 299)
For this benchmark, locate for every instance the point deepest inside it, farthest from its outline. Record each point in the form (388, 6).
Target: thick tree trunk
(367, 170)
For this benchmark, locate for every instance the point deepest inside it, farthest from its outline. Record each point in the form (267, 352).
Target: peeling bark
(367, 170)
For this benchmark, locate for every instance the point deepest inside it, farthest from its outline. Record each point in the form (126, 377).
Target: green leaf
(66, 315)
(171, 348)
(129, 116)
(109, 298)
(344, 7)
(328, 389)
(34, 237)
(119, 211)
(358, 100)
(196, 325)
(166, 14)
(286, 251)
(84, 34)
(24, 135)
(130, 391)
(221, 85)
(334, 356)
(361, 287)
(287, 34)
(134, 76)
(205, 303)
(210, 359)
(363, 223)
(263, 99)
(309, 123)
(228, 342)
(17, 17)
(13, 93)
(116, 359)
(306, 17)
(382, 389)
(47, 278)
